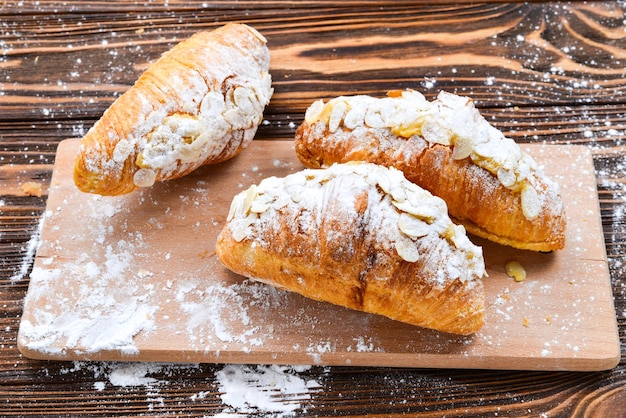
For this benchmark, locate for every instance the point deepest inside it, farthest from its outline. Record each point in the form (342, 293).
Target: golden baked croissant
(490, 186)
(361, 236)
(200, 103)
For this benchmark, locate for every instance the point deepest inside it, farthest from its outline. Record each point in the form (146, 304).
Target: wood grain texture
(540, 71)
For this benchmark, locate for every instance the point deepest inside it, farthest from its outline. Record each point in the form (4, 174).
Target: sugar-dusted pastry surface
(361, 236)
(200, 103)
(490, 186)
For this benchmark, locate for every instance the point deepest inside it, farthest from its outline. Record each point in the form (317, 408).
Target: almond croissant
(490, 186)
(361, 236)
(200, 103)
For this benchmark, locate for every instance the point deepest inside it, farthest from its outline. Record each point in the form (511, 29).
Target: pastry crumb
(515, 270)
(526, 322)
(32, 188)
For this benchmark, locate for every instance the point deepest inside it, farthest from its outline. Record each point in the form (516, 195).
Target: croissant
(358, 235)
(490, 186)
(200, 103)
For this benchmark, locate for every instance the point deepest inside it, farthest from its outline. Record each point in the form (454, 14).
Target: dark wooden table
(541, 72)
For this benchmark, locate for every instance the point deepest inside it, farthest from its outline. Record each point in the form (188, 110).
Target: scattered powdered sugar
(274, 389)
(134, 374)
(100, 314)
(152, 378)
(217, 315)
(29, 255)
(128, 374)
(271, 390)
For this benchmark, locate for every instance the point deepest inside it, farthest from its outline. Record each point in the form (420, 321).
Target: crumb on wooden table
(32, 188)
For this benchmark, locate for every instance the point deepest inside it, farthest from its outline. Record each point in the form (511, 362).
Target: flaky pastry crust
(490, 186)
(200, 103)
(361, 236)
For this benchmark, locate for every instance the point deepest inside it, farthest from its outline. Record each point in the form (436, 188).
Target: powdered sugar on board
(136, 278)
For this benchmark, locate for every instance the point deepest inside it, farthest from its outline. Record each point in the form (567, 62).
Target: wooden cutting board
(136, 278)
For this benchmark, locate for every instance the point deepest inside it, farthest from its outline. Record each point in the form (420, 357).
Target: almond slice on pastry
(490, 186)
(361, 236)
(200, 103)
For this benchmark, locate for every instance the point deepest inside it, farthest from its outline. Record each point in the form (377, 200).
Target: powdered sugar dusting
(402, 216)
(452, 121)
(218, 315)
(96, 316)
(270, 390)
(265, 389)
(31, 249)
(213, 105)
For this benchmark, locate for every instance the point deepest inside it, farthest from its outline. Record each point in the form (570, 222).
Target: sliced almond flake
(241, 228)
(407, 250)
(416, 98)
(486, 150)
(212, 105)
(374, 115)
(122, 151)
(296, 196)
(314, 112)
(424, 211)
(232, 116)
(258, 206)
(506, 177)
(384, 182)
(281, 201)
(144, 177)
(398, 193)
(244, 98)
(463, 147)
(531, 206)
(515, 270)
(356, 115)
(412, 226)
(457, 236)
(526, 166)
(249, 197)
(435, 133)
(336, 115)
(236, 206)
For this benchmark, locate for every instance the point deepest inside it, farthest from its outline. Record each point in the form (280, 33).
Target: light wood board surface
(136, 278)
